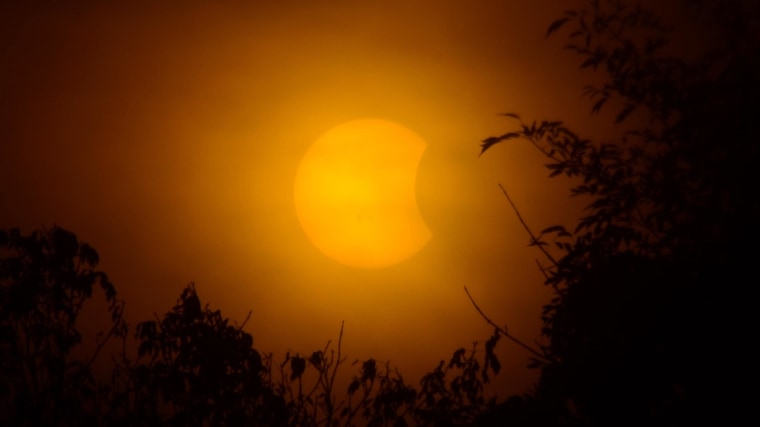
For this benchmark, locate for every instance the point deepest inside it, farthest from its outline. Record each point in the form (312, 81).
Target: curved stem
(504, 332)
(533, 238)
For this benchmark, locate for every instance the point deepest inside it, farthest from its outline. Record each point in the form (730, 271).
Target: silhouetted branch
(504, 332)
(240, 328)
(533, 238)
(338, 361)
(542, 270)
(101, 343)
(332, 407)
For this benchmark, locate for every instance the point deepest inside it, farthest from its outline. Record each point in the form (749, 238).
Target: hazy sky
(168, 137)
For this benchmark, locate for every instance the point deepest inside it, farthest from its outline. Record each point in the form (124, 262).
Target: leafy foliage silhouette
(377, 395)
(202, 370)
(45, 279)
(650, 313)
(192, 366)
(649, 276)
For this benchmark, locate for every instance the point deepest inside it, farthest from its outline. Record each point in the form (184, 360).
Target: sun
(355, 196)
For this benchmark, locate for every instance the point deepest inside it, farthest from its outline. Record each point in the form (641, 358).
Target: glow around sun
(355, 194)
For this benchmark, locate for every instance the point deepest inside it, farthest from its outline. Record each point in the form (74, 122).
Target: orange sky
(169, 138)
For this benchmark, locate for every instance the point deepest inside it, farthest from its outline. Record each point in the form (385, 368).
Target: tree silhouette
(45, 279)
(648, 283)
(195, 368)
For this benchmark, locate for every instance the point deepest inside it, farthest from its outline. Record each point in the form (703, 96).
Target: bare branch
(100, 343)
(240, 328)
(505, 333)
(533, 238)
(542, 270)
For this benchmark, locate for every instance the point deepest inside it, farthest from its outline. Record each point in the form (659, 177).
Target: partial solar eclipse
(355, 194)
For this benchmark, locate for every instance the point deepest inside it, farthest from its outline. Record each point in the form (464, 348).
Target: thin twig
(338, 361)
(504, 331)
(102, 343)
(542, 270)
(533, 238)
(240, 328)
(329, 392)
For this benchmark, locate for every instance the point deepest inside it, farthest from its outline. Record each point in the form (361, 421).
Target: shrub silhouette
(648, 280)
(200, 369)
(193, 366)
